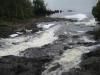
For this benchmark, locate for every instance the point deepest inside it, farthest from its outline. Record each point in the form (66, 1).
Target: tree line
(96, 14)
(21, 9)
(96, 11)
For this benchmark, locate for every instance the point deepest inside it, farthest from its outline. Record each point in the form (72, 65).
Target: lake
(78, 6)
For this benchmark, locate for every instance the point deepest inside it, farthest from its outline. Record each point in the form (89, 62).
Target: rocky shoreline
(20, 26)
(33, 61)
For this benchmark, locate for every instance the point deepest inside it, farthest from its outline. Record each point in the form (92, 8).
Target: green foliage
(12, 9)
(39, 7)
(21, 9)
(15, 10)
(96, 11)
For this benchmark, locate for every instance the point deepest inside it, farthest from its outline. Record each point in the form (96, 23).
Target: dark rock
(70, 10)
(35, 28)
(5, 31)
(87, 43)
(54, 67)
(12, 65)
(90, 64)
(94, 53)
(66, 47)
(75, 36)
(47, 51)
(62, 37)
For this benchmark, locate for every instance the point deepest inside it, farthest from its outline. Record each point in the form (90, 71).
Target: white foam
(25, 42)
(45, 26)
(86, 39)
(16, 34)
(91, 22)
(81, 31)
(13, 35)
(70, 59)
(19, 32)
(77, 16)
(28, 31)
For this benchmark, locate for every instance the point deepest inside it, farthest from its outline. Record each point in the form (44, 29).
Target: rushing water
(72, 57)
(12, 46)
(74, 36)
(81, 10)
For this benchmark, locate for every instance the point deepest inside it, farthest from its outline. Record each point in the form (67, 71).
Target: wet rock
(66, 47)
(15, 43)
(89, 32)
(12, 65)
(49, 19)
(48, 51)
(62, 37)
(94, 53)
(75, 36)
(5, 31)
(90, 64)
(32, 28)
(87, 43)
(55, 67)
(70, 10)
(76, 71)
(35, 28)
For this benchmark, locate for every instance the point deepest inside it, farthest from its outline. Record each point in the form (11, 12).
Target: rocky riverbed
(21, 26)
(54, 47)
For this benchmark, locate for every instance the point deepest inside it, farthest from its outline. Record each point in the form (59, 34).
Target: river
(63, 41)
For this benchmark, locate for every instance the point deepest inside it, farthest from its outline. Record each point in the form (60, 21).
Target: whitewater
(73, 35)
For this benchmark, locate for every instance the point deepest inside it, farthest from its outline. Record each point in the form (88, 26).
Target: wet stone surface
(48, 51)
(32, 60)
(12, 65)
(90, 64)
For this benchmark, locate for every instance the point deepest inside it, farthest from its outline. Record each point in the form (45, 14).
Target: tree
(96, 11)
(20, 9)
(39, 7)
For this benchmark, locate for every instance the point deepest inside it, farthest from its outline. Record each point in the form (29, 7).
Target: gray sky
(78, 5)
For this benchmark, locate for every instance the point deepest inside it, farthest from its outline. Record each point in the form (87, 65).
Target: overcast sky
(78, 5)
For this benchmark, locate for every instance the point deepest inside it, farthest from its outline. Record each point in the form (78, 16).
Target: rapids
(67, 37)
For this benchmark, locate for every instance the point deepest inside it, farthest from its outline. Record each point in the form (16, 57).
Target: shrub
(96, 11)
